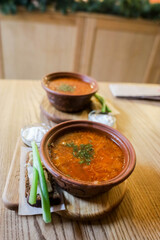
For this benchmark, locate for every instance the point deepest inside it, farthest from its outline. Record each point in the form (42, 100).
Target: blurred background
(110, 40)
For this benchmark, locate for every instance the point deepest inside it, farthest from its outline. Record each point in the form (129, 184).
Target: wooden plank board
(76, 208)
(9, 197)
(57, 116)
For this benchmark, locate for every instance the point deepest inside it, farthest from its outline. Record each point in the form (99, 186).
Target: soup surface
(87, 156)
(71, 86)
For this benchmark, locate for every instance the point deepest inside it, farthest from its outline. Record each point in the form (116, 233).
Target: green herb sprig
(84, 152)
(105, 108)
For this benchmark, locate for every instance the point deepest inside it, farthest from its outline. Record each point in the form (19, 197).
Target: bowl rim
(68, 74)
(124, 174)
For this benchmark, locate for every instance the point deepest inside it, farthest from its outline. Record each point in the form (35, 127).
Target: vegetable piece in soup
(70, 86)
(87, 156)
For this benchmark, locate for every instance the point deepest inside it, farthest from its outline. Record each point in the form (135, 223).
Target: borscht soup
(71, 86)
(87, 155)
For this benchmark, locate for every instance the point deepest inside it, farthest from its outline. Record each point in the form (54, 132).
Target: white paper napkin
(139, 91)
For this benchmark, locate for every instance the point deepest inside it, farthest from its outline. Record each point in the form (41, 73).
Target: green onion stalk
(38, 174)
(33, 192)
(104, 108)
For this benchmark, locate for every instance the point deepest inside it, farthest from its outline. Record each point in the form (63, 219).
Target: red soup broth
(70, 86)
(87, 156)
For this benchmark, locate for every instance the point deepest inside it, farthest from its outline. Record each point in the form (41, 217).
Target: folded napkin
(136, 91)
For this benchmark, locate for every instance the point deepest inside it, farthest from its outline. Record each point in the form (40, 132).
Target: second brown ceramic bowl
(66, 102)
(80, 188)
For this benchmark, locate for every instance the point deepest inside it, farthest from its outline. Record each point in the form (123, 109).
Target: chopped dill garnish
(65, 88)
(84, 152)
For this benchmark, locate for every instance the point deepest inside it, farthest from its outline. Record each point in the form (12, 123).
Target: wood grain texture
(52, 114)
(108, 48)
(45, 50)
(10, 194)
(137, 217)
(57, 116)
(76, 208)
(1, 56)
(128, 25)
(152, 73)
(79, 42)
(130, 58)
(88, 45)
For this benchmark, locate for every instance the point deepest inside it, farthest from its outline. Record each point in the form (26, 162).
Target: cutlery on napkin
(136, 91)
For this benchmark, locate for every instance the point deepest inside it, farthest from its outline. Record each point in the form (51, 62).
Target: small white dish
(34, 132)
(105, 118)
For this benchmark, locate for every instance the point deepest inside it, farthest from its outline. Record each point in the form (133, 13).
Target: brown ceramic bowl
(67, 102)
(80, 188)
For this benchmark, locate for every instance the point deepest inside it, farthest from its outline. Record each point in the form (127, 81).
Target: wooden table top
(137, 217)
